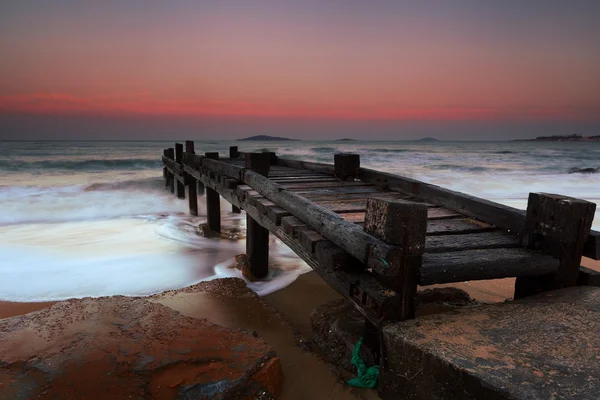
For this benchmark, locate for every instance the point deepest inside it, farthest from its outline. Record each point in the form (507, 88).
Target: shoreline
(314, 292)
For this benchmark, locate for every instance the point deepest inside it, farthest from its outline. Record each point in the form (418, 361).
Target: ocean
(82, 219)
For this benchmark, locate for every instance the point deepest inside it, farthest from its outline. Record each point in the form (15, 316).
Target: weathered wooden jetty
(374, 236)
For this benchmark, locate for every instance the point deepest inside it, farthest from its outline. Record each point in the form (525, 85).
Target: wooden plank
(289, 224)
(469, 265)
(334, 257)
(324, 168)
(322, 199)
(441, 213)
(339, 190)
(456, 226)
(309, 239)
(275, 214)
(302, 179)
(470, 241)
(297, 186)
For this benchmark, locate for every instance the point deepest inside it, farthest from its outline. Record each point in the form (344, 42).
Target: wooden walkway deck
(374, 236)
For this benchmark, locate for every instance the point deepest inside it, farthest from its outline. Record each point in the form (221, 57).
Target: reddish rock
(123, 348)
(241, 263)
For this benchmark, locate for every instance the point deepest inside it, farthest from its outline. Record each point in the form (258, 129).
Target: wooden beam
(213, 202)
(171, 156)
(192, 194)
(178, 160)
(233, 152)
(257, 237)
(559, 226)
(470, 265)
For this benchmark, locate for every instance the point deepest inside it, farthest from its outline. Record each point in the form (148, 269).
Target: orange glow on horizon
(142, 104)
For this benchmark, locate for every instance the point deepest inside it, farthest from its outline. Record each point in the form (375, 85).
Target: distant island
(267, 137)
(562, 138)
(428, 139)
(345, 140)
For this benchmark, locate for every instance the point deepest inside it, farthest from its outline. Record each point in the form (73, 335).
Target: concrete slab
(543, 347)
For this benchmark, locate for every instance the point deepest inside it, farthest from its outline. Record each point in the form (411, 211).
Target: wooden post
(213, 202)
(178, 160)
(233, 152)
(346, 166)
(257, 237)
(192, 196)
(171, 155)
(402, 224)
(559, 226)
(165, 170)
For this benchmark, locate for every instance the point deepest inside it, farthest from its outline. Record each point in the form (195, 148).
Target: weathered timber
(257, 236)
(334, 257)
(259, 162)
(348, 236)
(171, 158)
(502, 216)
(376, 302)
(470, 265)
(166, 173)
(275, 214)
(233, 152)
(588, 277)
(181, 180)
(213, 202)
(342, 190)
(557, 225)
(457, 226)
(289, 224)
(470, 241)
(302, 179)
(403, 224)
(192, 195)
(309, 239)
(346, 166)
(313, 166)
(306, 186)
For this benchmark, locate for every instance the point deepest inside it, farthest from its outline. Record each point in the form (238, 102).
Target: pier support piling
(171, 155)
(178, 159)
(257, 237)
(192, 196)
(559, 226)
(233, 152)
(213, 202)
(346, 166)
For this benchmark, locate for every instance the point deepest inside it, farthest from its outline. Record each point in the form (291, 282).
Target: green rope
(366, 377)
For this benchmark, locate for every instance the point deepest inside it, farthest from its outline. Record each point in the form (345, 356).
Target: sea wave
(89, 165)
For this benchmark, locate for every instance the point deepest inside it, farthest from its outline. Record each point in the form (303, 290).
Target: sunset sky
(306, 69)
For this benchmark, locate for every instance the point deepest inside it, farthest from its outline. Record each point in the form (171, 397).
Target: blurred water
(92, 218)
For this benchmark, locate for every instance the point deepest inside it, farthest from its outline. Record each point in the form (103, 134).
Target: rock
(541, 347)
(207, 232)
(583, 170)
(122, 348)
(242, 264)
(338, 325)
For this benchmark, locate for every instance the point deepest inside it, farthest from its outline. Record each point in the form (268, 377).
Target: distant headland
(345, 140)
(562, 138)
(267, 137)
(428, 139)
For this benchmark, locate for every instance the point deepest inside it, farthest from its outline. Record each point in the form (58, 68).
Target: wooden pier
(375, 236)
